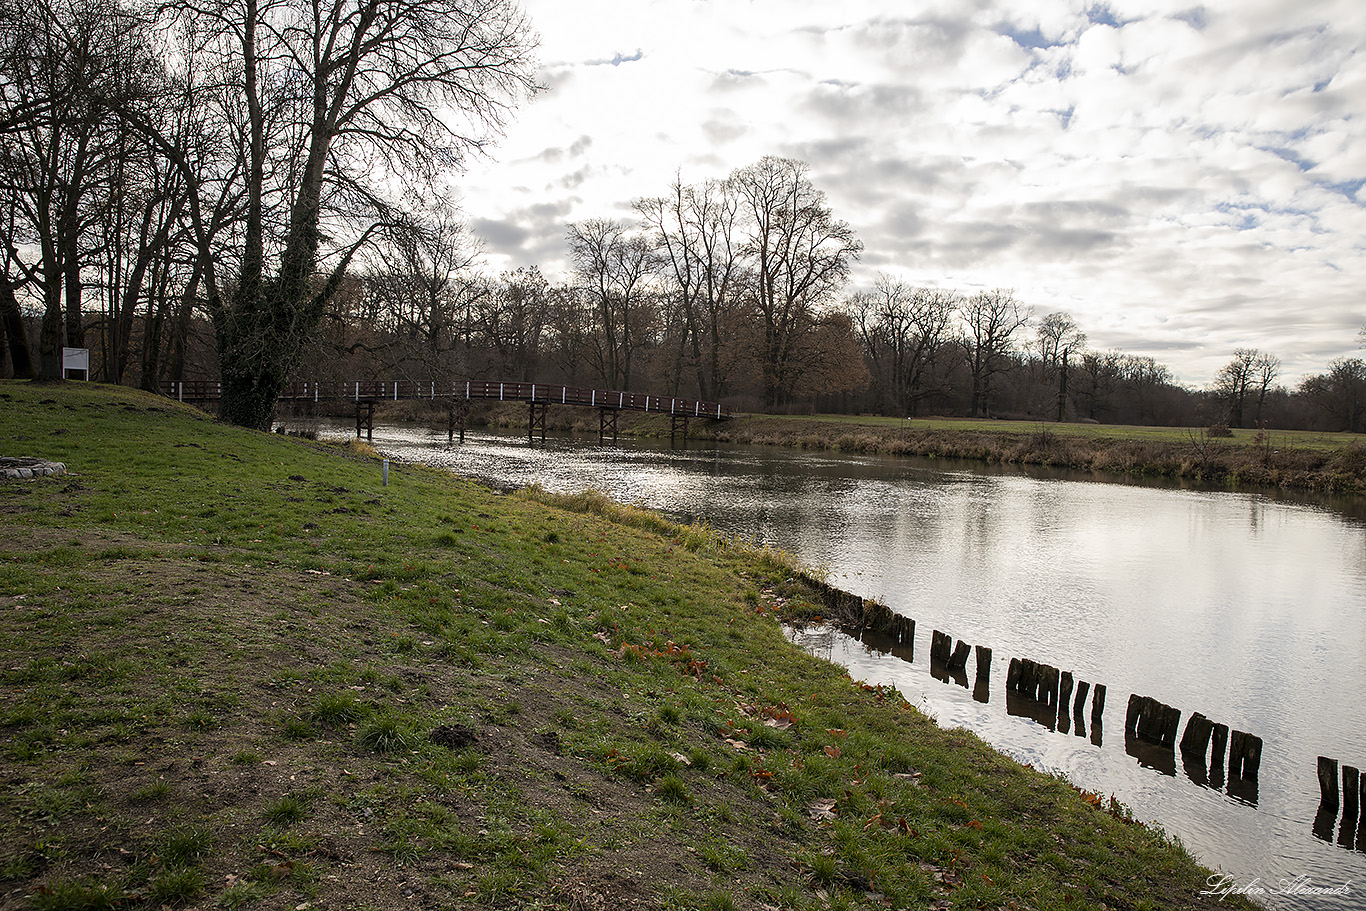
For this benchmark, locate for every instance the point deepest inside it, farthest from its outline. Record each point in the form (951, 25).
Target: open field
(1299, 439)
(239, 672)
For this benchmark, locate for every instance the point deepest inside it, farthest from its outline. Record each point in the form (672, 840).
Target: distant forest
(192, 197)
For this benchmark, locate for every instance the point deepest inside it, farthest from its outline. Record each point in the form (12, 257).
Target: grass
(241, 672)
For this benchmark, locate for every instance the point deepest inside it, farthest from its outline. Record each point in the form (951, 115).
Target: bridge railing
(375, 390)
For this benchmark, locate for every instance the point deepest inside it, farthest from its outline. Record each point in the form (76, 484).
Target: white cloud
(1184, 179)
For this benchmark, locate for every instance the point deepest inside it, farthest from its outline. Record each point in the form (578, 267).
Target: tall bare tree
(902, 330)
(1144, 376)
(695, 228)
(616, 271)
(340, 102)
(990, 320)
(801, 256)
(63, 67)
(1249, 375)
(1058, 337)
(1341, 392)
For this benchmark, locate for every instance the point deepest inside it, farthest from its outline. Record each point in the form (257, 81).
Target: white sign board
(76, 359)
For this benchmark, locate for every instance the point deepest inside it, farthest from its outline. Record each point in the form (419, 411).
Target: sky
(1183, 180)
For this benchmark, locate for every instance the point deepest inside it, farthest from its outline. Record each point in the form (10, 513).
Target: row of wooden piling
(1062, 698)
(1208, 748)
(1353, 804)
(1054, 688)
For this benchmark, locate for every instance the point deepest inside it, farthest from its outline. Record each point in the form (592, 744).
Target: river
(1245, 607)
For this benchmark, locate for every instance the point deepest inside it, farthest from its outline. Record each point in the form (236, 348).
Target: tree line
(251, 191)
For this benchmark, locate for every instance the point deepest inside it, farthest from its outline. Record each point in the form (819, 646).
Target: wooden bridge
(366, 394)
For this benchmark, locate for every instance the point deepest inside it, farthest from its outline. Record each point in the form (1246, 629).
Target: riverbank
(1291, 460)
(240, 670)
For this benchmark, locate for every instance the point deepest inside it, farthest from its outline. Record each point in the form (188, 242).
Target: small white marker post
(386, 472)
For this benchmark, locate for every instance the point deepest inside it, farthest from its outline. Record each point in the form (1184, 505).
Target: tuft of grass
(671, 789)
(73, 895)
(386, 734)
(184, 846)
(177, 886)
(286, 810)
(241, 894)
(824, 869)
(295, 728)
(337, 709)
(157, 790)
(718, 901)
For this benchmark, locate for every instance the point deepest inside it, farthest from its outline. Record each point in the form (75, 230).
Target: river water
(1247, 608)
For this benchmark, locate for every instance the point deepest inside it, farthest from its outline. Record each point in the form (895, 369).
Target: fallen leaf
(822, 809)
(833, 752)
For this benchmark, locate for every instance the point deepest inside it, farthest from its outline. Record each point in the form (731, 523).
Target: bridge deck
(199, 391)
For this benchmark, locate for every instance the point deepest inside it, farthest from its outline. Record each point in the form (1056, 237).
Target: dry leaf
(822, 809)
(833, 752)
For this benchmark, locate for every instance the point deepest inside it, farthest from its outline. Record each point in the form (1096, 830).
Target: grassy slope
(239, 672)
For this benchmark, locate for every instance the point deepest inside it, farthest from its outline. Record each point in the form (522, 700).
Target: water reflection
(1249, 608)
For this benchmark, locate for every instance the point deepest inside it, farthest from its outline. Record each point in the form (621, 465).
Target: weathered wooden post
(1098, 705)
(1013, 675)
(958, 661)
(1078, 706)
(1065, 701)
(1350, 783)
(1244, 755)
(1132, 714)
(981, 688)
(941, 644)
(983, 662)
(1195, 741)
(1328, 783)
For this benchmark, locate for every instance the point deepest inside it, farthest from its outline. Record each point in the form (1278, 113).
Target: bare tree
(695, 229)
(418, 275)
(338, 101)
(1341, 392)
(1249, 374)
(801, 257)
(1099, 379)
(514, 323)
(616, 270)
(63, 66)
(1057, 337)
(1144, 376)
(902, 329)
(990, 321)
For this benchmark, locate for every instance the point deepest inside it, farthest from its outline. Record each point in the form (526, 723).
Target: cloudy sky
(1184, 180)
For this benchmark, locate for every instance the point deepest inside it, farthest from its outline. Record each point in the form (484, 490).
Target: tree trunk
(21, 357)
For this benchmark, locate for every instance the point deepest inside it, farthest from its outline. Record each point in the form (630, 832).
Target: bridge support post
(365, 417)
(458, 417)
(607, 423)
(536, 418)
(678, 425)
